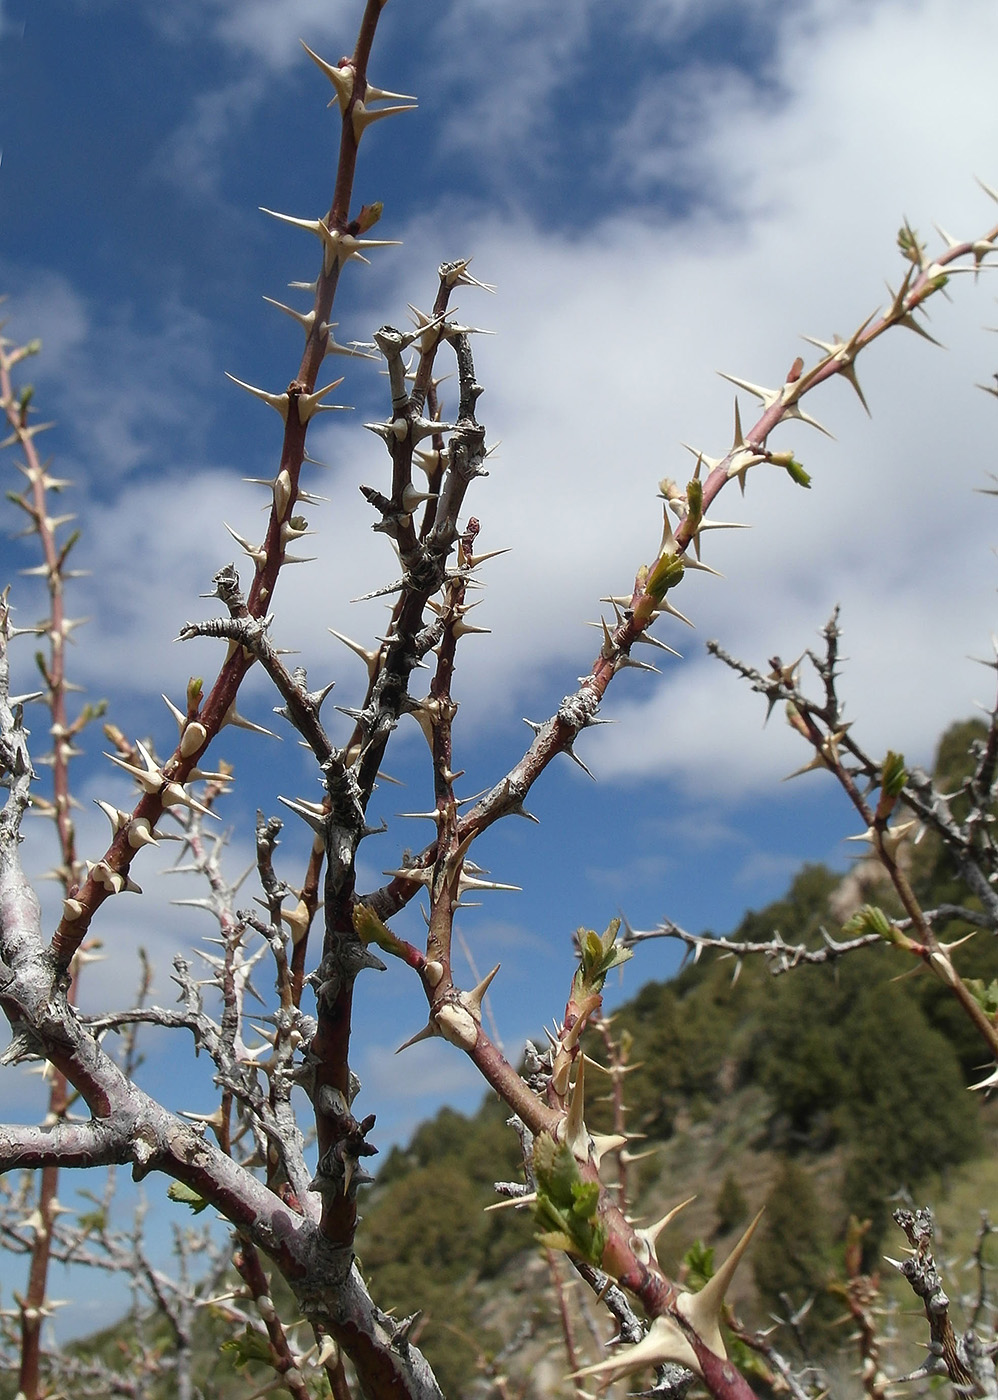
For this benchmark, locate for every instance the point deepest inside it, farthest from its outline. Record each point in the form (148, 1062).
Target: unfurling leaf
(187, 1196)
(566, 1205)
(369, 215)
(665, 574)
(698, 1265)
(893, 775)
(870, 919)
(600, 953)
(250, 1345)
(985, 996)
(796, 473)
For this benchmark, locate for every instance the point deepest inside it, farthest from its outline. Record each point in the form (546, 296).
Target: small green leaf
(556, 1239)
(187, 1196)
(699, 1265)
(586, 1194)
(869, 919)
(556, 1170)
(566, 1205)
(250, 1345)
(797, 473)
(893, 775)
(666, 573)
(985, 996)
(370, 929)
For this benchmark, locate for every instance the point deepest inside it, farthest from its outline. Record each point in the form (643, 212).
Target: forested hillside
(821, 1093)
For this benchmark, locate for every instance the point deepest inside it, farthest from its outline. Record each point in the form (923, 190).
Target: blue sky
(660, 189)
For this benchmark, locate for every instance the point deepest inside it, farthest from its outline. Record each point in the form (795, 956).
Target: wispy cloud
(605, 358)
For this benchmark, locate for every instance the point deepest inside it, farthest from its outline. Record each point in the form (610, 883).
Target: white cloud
(604, 360)
(605, 356)
(269, 30)
(193, 154)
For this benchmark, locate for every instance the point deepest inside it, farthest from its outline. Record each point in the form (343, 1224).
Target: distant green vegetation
(859, 1069)
(852, 1061)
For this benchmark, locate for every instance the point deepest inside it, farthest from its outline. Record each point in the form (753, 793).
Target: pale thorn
(140, 833)
(429, 460)
(711, 463)
(363, 116)
(305, 319)
(990, 1083)
(278, 402)
(210, 1120)
(629, 1157)
(909, 322)
(427, 332)
(342, 247)
(358, 349)
(741, 462)
(316, 226)
(623, 662)
(696, 562)
(376, 94)
(890, 839)
(115, 815)
(570, 751)
(609, 647)
(411, 498)
(295, 529)
(436, 816)
(341, 78)
(606, 1142)
(281, 491)
(412, 873)
(370, 658)
(767, 397)
(527, 1199)
(297, 920)
(703, 1310)
(175, 711)
(650, 1233)
(429, 1030)
(473, 560)
(460, 628)
(310, 812)
(664, 606)
(472, 1000)
(471, 882)
(648, 640)
(844, 353)
(112, 880)
(238, 721)
(571, 1129)
(456, 274)
(255, 551)
(663, 1342)
(173, 795)
(328, 1351)
(81, 958)
(310, 498)
(150, 778)
(309, 404)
